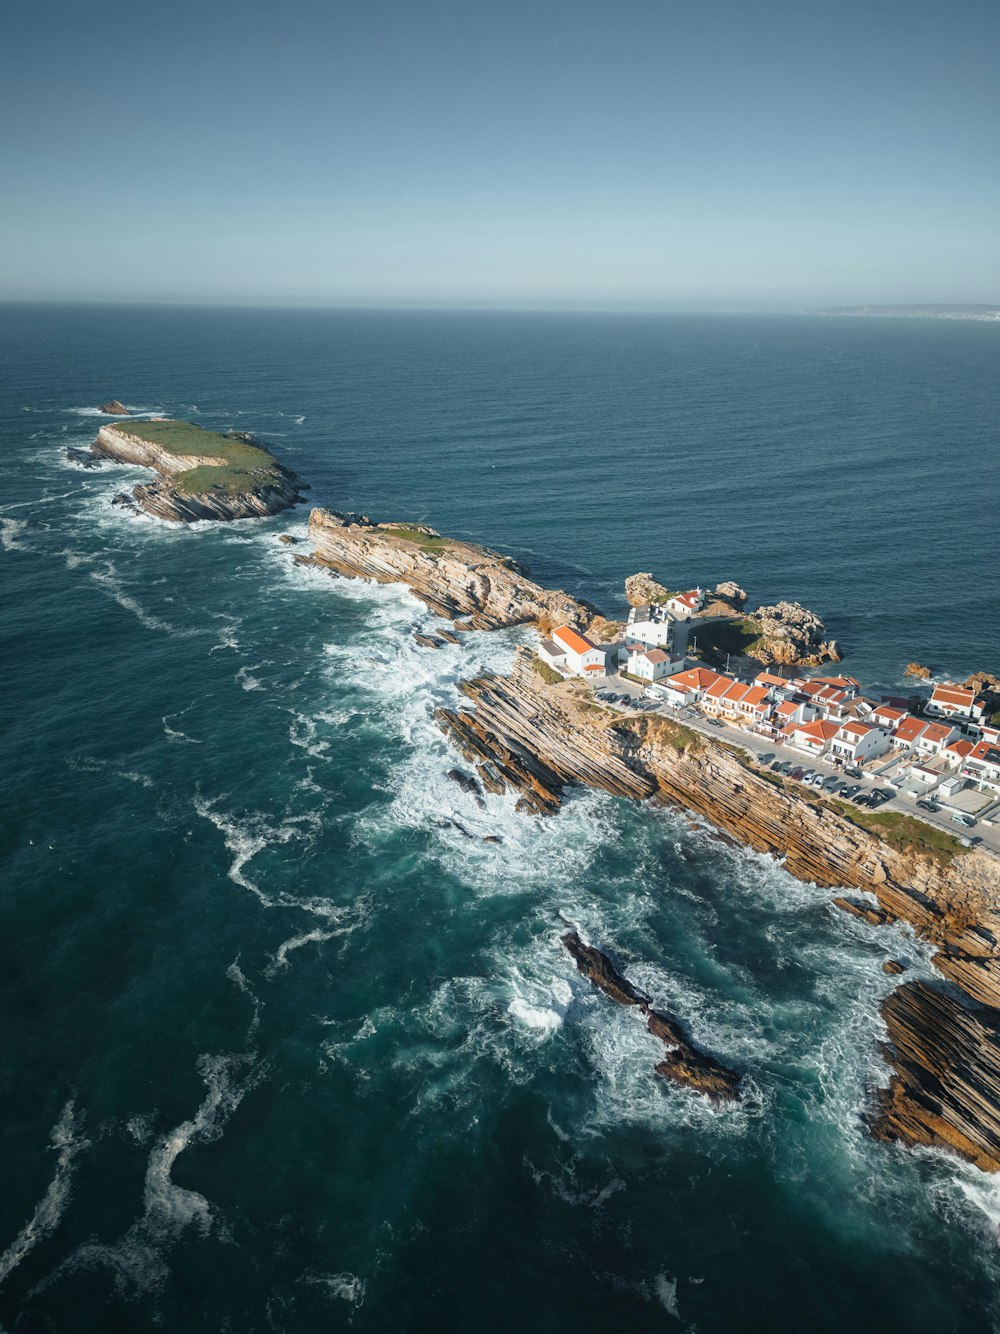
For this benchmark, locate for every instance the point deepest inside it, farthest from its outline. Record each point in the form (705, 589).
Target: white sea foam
(10, 533)
(108, 578)
(347, 1287)
(247, 680)
(68, 1143)
(665, 1288)
(173, 734)
(138, 1259)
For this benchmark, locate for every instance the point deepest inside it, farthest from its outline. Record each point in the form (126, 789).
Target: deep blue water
(283, 1050)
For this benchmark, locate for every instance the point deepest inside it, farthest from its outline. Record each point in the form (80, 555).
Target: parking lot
(980, 834)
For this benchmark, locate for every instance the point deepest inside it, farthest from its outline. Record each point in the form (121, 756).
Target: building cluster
(945, 747)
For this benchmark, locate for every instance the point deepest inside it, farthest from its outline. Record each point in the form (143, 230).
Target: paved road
(981, 835)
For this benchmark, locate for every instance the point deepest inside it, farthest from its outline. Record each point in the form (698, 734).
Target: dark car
(786, 766)
(717, 722)
(776, 767)
(830, 784)
(861, 799)
(766, 759)
(928, 806)
(796, 773)
(878, 798)
(853, 773)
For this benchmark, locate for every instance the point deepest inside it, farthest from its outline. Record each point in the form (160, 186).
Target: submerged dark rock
(125, 502)
(467, 783)
(114, 409)
(685, 1063)
(82, 458)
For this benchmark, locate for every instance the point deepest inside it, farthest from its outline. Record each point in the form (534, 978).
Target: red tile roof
(952, 694)
(910, 728)
(571, 640)
(695, 678)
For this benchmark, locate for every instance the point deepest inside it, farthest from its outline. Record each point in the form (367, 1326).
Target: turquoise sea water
(285, 1045)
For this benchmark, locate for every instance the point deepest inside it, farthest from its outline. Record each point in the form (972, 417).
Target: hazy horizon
(574, 156)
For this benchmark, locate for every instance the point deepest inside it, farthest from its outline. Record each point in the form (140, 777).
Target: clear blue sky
(638, 153)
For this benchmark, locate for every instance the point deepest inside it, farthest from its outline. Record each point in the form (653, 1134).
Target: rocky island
(537, 734)
(202, 474)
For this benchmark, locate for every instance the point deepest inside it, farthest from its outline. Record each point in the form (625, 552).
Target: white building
(683, 605)
(651, 664)
(952, 701)
(857, 742)
(650, 626)
(579, 655)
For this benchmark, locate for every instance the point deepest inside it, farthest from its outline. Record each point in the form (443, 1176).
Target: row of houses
(826, 716)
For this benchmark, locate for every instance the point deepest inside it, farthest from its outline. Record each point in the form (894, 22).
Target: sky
(639, 154)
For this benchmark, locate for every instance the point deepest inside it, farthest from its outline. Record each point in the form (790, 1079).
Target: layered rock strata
(685, 1063)
(271, 491)
(537, 739)
(459, 580)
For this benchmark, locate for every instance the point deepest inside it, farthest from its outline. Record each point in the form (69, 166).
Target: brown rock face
(538, 739)
(642, 589)
(917, 670)
(114, 409)
(730, 592)
(163, 500)
(946, 1087)
(684, 1063)
(455, 579)
(792, 635)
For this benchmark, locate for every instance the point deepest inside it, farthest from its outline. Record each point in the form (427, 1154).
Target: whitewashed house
(951, 701)
(683, 605)
(689, 686)
(815, 738)
(651, 664)
(908, 732)
(857, 742)
(580, 656)
(935, 737)
(650, 625)
(983, 766)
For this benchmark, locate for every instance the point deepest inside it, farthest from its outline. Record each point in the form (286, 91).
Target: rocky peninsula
(202, 474)
(537, 736)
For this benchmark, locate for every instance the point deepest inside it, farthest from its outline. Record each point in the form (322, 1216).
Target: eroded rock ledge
(456, 579)
(685, 1063)
(195, 485)
(537, 739)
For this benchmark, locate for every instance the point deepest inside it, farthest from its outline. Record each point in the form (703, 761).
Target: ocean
(286, 1046)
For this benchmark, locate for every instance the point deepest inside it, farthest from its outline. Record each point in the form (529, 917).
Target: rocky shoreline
(270, 490)
(538, 737)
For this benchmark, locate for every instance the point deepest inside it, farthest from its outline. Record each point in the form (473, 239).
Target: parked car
(860, 799)
(931, 806)
(850, 790)
(831, 784)
(878, 798)
(776, 767)
(717, 722)
(960, 818)
(797, 774)
(766, 759)
(853, 773)
(817, 780)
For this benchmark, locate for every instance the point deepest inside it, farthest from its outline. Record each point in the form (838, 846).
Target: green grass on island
(244, 466)
(426, 541)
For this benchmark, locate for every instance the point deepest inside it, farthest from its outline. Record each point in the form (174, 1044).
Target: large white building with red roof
(815, 738)
(857, 741)
(570, 651)
(951, 701)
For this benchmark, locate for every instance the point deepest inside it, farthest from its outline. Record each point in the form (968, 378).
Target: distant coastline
(915, 312)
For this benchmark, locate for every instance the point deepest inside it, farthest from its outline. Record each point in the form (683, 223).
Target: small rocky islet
(202, 474)
(538, 737)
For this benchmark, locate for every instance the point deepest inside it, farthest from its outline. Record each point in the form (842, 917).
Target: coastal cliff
(537, 739)
(203, 475)
(537, 736)
(459, 580)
